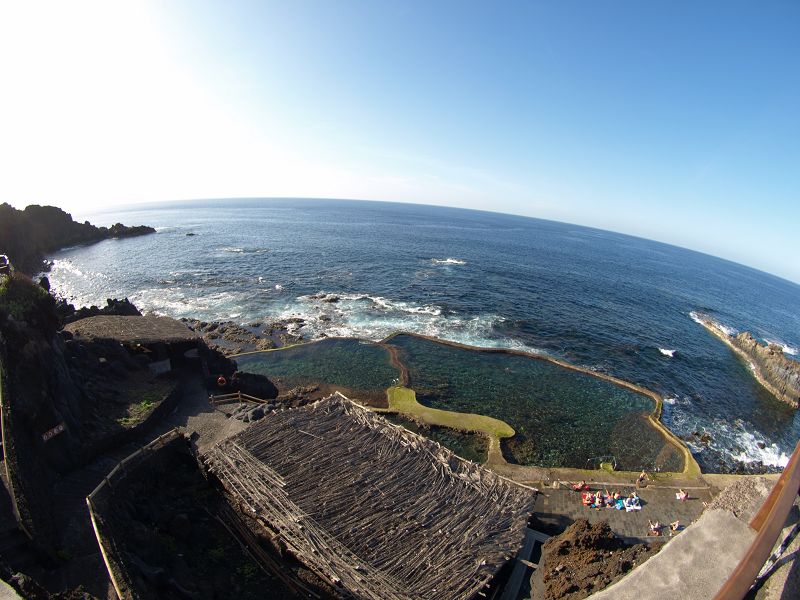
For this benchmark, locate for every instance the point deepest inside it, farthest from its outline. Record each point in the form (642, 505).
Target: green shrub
(20, 297)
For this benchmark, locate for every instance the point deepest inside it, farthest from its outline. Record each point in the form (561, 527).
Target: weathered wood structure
(380, 512)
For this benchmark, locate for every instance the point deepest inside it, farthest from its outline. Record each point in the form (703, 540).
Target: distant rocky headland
(27, 236)
(778, 374)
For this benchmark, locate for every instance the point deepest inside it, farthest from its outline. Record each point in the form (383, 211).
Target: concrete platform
(694, 564)
(557, 509)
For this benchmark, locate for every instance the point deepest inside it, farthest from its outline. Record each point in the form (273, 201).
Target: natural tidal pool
(562, 417)
(359, 369)
(471, 446)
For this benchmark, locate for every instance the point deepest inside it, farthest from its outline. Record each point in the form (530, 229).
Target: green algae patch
(471, 446)
(404, 400)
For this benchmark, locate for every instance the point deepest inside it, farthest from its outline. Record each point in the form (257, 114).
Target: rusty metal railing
(767, 522)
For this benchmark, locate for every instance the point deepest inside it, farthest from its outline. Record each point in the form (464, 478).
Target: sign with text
(49, 435)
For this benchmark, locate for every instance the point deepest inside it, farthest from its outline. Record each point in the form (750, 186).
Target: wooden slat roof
(382, 512)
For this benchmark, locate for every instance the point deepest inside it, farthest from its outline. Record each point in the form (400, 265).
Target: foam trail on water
(666, 352)
(448, 261)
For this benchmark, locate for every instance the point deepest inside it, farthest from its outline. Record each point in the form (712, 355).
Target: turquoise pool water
(563, 418)
(359, 369)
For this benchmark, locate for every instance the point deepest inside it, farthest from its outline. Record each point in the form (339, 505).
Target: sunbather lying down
(655, 528)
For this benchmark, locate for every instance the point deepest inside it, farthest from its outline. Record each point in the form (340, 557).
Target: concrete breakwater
(778, 374)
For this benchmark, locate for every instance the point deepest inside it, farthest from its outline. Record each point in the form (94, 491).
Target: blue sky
(675, 121)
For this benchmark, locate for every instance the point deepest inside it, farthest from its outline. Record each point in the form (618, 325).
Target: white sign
(48, 435)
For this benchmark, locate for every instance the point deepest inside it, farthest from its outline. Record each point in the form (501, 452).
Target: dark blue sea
(611, 302)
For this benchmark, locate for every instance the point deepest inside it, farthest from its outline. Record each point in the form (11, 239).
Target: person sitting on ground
(682, 495)
(586, 498)
(655, 528)
(632, 502)
(642, 479)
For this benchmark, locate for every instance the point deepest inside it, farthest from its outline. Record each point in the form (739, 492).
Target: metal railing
(12, 492)
(235, 397)
(105, 542)
(768, 523)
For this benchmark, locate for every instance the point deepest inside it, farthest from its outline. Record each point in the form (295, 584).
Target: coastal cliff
(778, 374)
(26, 236)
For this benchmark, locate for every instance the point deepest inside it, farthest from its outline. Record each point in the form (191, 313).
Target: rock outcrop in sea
(26, 236)
(771, 368)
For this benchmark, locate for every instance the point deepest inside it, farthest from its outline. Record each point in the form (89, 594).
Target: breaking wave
(787, 349)
(666, 352)
(376, 317)
(237, 250)
(754, 449)
(448, 261)
(702, 318)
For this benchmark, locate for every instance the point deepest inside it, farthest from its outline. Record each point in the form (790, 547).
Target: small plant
(247, 571)
(19, 296)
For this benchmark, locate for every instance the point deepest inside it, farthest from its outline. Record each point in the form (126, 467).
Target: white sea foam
(702, 318)
(734, 440)
(448, 261)
(237, 250)
(752, 451)
(66, 265)
(666, 352)
(697, 317)
(671, 401)
(375, 317)
(787, 349)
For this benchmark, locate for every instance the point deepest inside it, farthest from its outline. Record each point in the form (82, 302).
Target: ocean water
(602, 300)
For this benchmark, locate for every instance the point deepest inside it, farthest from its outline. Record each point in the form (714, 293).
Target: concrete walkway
(557, 509)
(693, 565)
(7, 592)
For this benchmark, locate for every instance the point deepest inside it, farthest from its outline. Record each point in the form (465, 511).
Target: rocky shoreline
(778, 374)
(231, 338)
(27, 236)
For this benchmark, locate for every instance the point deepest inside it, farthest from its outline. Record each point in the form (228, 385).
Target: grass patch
(404, 400)
(138, 412)
(19, 296)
